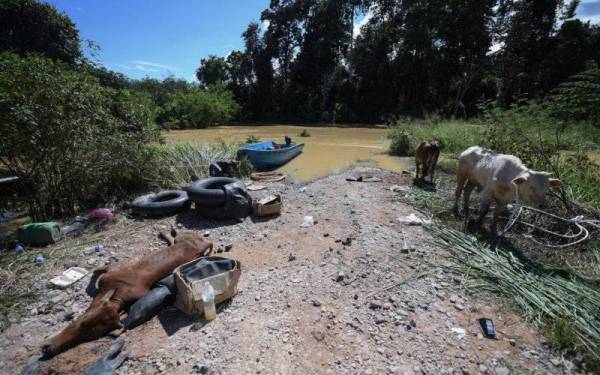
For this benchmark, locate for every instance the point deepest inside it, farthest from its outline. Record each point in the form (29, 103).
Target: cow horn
(108, 295)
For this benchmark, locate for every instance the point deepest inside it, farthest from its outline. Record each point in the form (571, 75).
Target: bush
(456, 136)
(72, 142)
(544, 143)
(199, 108)
(177, 164)
(579, 98)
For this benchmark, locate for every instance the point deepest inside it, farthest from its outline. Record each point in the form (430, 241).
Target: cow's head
(533, 186)
(101, 318)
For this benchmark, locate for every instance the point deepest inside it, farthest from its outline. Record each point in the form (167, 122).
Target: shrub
(579, 97)
(456, 136)
(199, 108)
(71, 141)
(177, 164)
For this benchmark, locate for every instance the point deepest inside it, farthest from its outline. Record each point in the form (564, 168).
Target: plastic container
(208, 300)
(39, 260)
(19, 250)
(94, 249)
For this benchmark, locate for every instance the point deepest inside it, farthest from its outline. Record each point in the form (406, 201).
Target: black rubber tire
(164, 203)
(209, 192)
(217, 213)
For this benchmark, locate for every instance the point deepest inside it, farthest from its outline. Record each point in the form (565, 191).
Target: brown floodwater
(325, 151)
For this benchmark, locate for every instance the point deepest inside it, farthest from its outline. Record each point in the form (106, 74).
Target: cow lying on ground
(500, 179)
(426, 158)
(122, 283)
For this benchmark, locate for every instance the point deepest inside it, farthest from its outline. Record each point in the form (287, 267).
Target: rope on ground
(580, 236)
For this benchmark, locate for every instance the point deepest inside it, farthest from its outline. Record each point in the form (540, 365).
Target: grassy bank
(567, 150)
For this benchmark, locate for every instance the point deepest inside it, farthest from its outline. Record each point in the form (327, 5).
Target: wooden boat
(269, 154)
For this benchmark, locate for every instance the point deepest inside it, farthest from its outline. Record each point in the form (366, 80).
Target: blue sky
(157, 38)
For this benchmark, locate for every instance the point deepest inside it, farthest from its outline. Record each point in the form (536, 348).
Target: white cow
(500, 179)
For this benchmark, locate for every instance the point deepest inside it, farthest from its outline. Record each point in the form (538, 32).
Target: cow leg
(466, 198)
(417, 170)
(494, 226)
(460, 183)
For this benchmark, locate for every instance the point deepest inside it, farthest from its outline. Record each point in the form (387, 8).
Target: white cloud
(358, 25)
(147, 64)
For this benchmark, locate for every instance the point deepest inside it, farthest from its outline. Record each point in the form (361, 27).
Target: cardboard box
(189, 297)
(268, 206)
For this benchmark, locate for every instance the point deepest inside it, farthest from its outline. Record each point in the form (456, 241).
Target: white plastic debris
(398, 188)
(308, 221)
(69, 277)
(413, 219)
(460, 332)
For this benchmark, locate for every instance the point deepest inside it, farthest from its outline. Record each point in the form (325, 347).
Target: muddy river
(325, 151)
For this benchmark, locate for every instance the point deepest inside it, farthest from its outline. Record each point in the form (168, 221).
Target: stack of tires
(220, 198)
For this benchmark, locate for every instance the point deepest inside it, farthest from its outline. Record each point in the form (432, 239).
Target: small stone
(459, 307)
(453, 298)
(512, 342)
(483, 369)
(413, 323)
(291, 258)
(228, 247)
(68, 315)
(201, 369)
(379, 319)
(556, 361)
(325, 234)
(501, 370)
(380, 350)
(387, 306)
(318, 335)
(340, 276)
(465, 371)
(373, 305)
(206, 233)
(316, 302)
(257, 298)
(316, 316)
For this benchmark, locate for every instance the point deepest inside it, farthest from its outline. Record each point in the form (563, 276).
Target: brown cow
(426, 157)
(119, 285)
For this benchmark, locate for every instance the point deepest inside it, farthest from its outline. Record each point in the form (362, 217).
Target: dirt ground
(310, 301)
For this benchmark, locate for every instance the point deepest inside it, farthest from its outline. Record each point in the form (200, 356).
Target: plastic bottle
(94, 249)
(208, 300)
(39, 260)
(19, 249)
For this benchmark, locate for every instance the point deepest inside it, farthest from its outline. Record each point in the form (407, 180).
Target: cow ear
(555, 183)
(521, 179)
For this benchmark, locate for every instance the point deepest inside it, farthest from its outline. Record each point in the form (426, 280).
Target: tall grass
(455, 136)
(177, 164)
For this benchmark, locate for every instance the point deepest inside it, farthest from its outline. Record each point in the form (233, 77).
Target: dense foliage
(71, 141)
(198, 108)
(33, 26)
(410, 58)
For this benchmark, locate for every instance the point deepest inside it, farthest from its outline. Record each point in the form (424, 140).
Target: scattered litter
(38, 233)
(268, 176)
(398, 188)
(76, 228)
(69, 277)
(39, 260)
(460, 332)
(405, 246)
(413, 219)
(208, 301)
(255, 187)
(308, 221)
(101, 213)
(268, 206)
(487, 328)
(363, 179)
(98, 248)
(19, 249)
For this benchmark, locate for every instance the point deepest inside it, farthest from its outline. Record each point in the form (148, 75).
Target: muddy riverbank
(342, 296)
(326, 151)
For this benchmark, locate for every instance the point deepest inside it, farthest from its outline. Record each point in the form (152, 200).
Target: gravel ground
(343, 296)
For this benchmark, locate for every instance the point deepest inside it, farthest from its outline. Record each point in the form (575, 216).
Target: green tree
(212, 70)
(72, 142)
(33, 26)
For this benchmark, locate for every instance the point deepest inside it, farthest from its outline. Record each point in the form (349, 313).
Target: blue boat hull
(264, 156)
